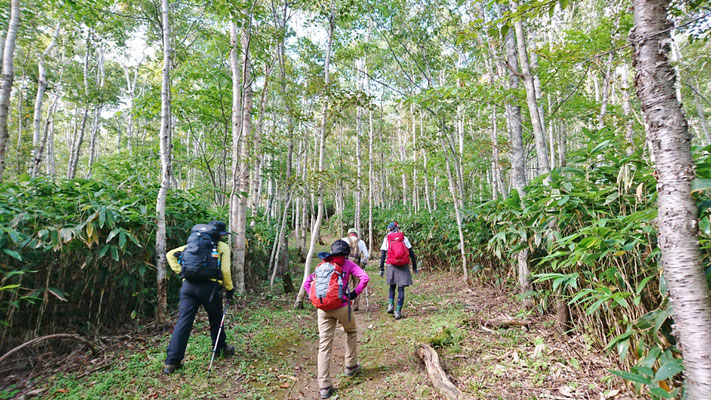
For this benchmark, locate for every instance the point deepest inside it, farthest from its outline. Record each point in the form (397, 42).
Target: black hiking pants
(192, 296)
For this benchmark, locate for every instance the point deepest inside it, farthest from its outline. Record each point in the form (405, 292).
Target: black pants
(192, 295)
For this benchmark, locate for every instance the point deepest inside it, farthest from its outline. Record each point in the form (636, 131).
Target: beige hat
(353, 231)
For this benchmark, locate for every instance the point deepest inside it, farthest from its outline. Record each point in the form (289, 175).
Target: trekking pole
(217, 340)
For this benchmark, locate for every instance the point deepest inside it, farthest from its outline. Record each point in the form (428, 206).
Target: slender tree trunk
(702, 117)
(678, 224)
(166, 167)
(76, 148)
(455, 201)
(513, 117)
(41, 87)
(257, 146)
(359, 166)
(43, 143)
(627, 107)
(538, 132)
(96, 130)
(322, 143)
(7, 78)
(237, 134)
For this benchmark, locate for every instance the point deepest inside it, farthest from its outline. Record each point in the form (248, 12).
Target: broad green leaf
(632, 377)
(13, 254)
(668, 369)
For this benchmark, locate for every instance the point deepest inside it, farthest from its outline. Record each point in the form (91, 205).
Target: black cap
(221, 227)
(338, 248)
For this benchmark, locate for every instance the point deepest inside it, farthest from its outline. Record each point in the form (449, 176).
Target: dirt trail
(487, 363)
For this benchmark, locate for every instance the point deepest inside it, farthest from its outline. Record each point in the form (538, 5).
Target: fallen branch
(55, 336)
(507, 323)
(434, 370)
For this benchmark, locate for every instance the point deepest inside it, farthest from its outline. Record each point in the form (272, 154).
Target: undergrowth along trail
(276, 353)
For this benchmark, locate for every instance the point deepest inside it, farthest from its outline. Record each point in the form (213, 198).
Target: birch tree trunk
(359, 166)
(166, 167)
(257, 146)
(538, 132)
(513, 117)
(677, 217)
(41, 87)
(76, 148)
(702, 117)
(7, 78)
(455, 201)
(237, 114)
(322, 143)
(43, 143)
(96, 130)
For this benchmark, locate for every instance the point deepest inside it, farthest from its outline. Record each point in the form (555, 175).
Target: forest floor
(276, 353)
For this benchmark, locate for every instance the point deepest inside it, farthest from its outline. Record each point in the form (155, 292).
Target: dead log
(48, 337)
(436, 374)
(506, 323)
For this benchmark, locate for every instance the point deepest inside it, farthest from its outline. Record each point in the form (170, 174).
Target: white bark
(670, 140)
(41, 87)
(166, 167)
(322, 142)
(7, 78)
(538, 132)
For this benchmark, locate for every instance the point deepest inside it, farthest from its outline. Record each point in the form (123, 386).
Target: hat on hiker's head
(338, 248)
(221, 227)
(392, 226)
(353, 231)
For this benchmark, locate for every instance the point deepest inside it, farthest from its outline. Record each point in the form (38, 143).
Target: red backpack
(398, 254)
(327, 288)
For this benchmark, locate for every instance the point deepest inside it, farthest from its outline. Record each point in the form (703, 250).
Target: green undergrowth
(262, 337)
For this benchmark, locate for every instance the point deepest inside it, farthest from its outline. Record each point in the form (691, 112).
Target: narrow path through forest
(277, 347)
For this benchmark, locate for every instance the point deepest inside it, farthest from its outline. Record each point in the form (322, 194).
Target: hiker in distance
(358, 254)
(398, 252)
(328, 291)
(204, 265)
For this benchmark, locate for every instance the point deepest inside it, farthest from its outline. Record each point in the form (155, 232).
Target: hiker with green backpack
(397, 250)
(328, 291)
(204, 265)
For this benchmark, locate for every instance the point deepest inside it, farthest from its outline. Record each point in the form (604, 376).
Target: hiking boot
(227, 351)
(391, 308)
(398, 314)
(326, 392)
(353, 371)
(169, 369)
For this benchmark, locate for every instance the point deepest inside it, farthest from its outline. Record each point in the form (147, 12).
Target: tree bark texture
(7, 78)
(538, 132)
(670, 139)
(41, 87)
(166, 168)
(322, 143)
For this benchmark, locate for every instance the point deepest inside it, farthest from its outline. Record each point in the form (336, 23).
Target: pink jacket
(349, 267)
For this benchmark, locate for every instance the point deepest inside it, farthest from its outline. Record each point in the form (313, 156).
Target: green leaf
(114, 252)
(6, 287)
(669, 369)
(661, 393)
(632, 377)
(113, 234)
(58, 293)
(13, 254)
(122, 240)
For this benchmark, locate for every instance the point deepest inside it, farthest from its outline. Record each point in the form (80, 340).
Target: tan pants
(326, 327)
(352, 284)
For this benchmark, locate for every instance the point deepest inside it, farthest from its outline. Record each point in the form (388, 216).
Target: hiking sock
(391, 294)
(400, 297)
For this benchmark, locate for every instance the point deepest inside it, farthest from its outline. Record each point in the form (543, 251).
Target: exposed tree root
(434, 370)
(48, 337)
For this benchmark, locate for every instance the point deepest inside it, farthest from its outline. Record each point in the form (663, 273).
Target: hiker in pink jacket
(327, 319)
